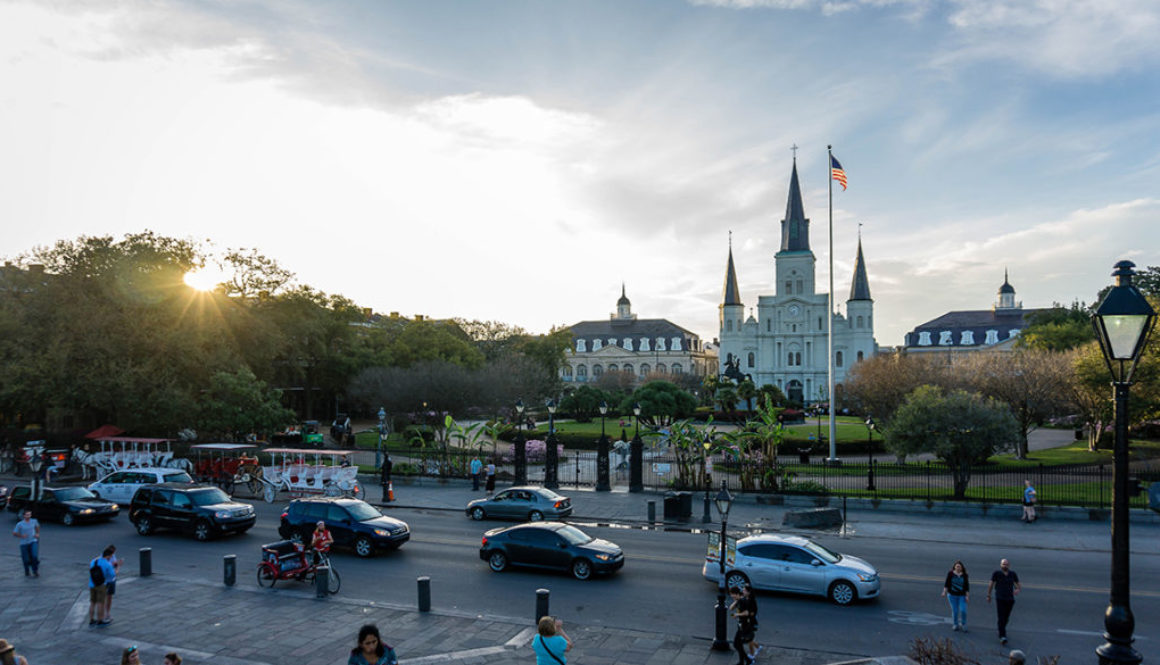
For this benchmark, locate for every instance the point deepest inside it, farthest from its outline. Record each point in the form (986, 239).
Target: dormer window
(676, 345)
(581, 346)
(924, 338)
(628, 344)
(1013, 333)
(660, 344)
(596, 345)
(611, 341)
(644, 344)
(968, 338)
(944, 338)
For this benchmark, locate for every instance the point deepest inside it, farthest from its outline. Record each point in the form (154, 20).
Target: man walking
(111, 583)
(476, 467)
(100, 571)
(1005, 584)
(1028, 502)
(28, 531)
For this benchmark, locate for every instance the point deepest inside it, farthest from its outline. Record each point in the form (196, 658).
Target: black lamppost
(870, 425)
(551, 455)
(706, 517)
(1122, 322)
(724, 503)
(35, 463)
(636, 456)
(603, 483)
(521, 450)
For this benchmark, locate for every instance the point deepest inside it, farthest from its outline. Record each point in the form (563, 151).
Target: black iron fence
(1085, 485)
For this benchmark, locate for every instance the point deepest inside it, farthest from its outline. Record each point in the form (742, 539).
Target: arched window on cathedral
(581, 372)
(797, 358)
(859, 321)
(838, 359)
(789, 361)
(800, 287)
(751, 359)
(859, 356)
(788, 287)
(793, 327)
(729, 325)
(820, 325)
(767, 325)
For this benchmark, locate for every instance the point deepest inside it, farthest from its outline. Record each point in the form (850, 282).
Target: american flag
(837, 173)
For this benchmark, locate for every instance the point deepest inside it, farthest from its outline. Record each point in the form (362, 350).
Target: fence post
(424, 583)
(542, 597)
(1039, 484)
(928, 481)
(145, 562)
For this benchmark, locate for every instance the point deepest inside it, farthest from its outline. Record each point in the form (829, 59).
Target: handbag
(545, 645)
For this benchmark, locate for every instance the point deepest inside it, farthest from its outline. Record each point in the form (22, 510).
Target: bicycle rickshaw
(228, 465)
(289, 560)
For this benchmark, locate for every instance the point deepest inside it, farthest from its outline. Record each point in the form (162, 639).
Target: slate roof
(977, 322)
(731, 295)
(795, 228)
(860, 287)
(635, 329)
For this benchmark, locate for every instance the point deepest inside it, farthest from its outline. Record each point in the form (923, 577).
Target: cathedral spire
(732, 295)
(860, 287)
(795, 228)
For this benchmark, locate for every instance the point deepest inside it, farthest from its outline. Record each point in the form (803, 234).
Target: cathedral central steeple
(795, 228)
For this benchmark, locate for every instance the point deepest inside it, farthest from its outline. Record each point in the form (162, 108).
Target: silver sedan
(521, 503)
(798, 565)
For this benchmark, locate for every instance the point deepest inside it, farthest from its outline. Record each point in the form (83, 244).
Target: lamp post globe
(870, 426)
(1122, 321)
(603, 479)
(551, 454)
(520, 454)
(724, 501)
(706, 517)
(35, 464)
(636, 455)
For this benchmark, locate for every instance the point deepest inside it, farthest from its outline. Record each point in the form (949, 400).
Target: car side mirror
(815, 563)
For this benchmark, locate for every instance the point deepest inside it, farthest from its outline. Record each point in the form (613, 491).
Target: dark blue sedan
(550, 546)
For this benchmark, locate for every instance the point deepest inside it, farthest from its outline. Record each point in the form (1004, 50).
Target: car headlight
(382, 532)
(114, 506)
(867, 577)
(604, 557)
(222, 514)
(87, 511)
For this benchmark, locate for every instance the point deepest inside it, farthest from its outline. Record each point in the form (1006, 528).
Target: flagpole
(830, 314)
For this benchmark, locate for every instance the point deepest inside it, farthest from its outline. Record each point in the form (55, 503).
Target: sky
(518, 161)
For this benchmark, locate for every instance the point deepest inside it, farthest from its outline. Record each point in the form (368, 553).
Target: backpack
(96, 574)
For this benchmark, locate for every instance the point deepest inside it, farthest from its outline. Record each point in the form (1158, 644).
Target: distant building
(970, 331)
(785, 345)
(635, 346)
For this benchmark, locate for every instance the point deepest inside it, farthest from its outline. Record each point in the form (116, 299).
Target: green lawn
(849, 429)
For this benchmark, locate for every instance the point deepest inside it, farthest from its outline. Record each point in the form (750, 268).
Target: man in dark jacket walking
(1005, 584)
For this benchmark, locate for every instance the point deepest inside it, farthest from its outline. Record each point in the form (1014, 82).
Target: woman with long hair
(957, 590)
(371, 649)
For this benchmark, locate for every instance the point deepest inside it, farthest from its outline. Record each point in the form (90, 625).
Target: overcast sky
(516, 161)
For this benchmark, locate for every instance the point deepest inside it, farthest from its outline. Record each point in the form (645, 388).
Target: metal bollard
(424, 594)
(542, 603)
(321, 579)
(706, 517)
(145, 564)
(652, 512)
(230, 569)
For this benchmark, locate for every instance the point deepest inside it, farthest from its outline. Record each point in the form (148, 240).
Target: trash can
(672, 507)
(804, 455)
(686, 505)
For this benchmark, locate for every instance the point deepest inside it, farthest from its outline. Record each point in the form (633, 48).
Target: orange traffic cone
(390, 491)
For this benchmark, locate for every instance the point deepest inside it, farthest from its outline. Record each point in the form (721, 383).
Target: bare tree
(879, 385)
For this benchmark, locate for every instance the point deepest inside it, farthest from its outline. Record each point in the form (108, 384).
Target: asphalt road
(661, 589)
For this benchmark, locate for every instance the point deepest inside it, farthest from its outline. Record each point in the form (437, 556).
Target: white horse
(92, 465)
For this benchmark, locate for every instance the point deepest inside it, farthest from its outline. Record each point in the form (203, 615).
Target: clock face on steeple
(794, 310)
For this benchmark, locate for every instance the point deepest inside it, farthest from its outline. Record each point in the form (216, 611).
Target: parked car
(70, 505)
(3, 493)
(552, 546)
(352, 523)
(202, 510)
(797, 565)
(120, 486)
(521, 503)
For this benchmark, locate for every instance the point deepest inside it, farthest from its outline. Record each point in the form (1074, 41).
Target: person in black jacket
(957, 590)
(744, 607)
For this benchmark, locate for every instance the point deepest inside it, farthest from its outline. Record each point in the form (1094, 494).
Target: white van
(120, 486)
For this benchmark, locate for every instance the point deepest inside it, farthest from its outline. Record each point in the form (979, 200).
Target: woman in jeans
(957, 589)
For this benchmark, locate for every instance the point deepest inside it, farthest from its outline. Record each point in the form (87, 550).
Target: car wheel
(843, 593)
(477, 513)
(144, 525)
(497, 561)
(735, 579)
(202, 530)
(267, 576)
(364, 547)
(535, 516)
(297, 537)
(68, 519)
(581, 569)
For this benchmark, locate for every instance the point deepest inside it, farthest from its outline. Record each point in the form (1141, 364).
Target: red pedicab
(289, 560)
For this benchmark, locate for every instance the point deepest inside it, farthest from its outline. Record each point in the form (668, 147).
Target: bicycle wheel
(334, 582)
(267, 576)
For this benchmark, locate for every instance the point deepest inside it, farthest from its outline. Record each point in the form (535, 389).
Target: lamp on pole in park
(551, 455)
(603, 483)
(636, 456)
(706, 517)
(1122, 323)
(521, 449)
(35, 464)
(724, 502)
(870, 425)
(382, 437)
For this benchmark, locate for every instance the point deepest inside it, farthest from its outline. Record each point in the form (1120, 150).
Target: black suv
(352, 523)
(203, 510)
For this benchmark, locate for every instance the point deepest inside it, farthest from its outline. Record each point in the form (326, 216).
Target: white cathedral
(786, 344)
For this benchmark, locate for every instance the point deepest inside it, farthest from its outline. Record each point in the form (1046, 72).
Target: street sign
(715, 548)
(661, 469)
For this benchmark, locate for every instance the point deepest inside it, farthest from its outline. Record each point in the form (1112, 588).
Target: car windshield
(361, 511)
(209, 497)
(73, 493)
(574, 536)
(822, 553)
(179, 477)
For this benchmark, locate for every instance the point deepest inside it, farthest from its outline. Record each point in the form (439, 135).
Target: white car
(798, 565)
(120, 486)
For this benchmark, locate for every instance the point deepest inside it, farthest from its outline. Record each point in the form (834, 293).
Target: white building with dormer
(784, 342)
(635, 346)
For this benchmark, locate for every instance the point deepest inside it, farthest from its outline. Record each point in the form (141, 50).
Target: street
(661, 589)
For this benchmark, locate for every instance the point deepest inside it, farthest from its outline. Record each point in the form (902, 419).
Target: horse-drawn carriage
(303, 472)
(121, 453)
(228, 465)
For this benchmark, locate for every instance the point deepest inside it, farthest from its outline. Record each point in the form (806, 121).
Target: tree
(1057, 329)
(747, 391)
(879, 385)
(727, 397)
(660, 403)
(1031, 382)
(253, 275)
(237, 403)
(1088, 392)
(584, 403)
(770, 395)
(616, 382)
(958, 427)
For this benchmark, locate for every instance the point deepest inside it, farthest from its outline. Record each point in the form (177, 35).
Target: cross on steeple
(794, 149)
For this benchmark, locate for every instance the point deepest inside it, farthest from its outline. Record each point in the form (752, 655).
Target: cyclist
(321, 541)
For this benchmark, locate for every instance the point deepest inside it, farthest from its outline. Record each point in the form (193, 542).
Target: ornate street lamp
(521, 447)
(382, 437)
(724, 502)
(1122, 322)
(603, 482)
(551, 456)
(35, 464)
(636, 456)
(706, 517)
(870, 425)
